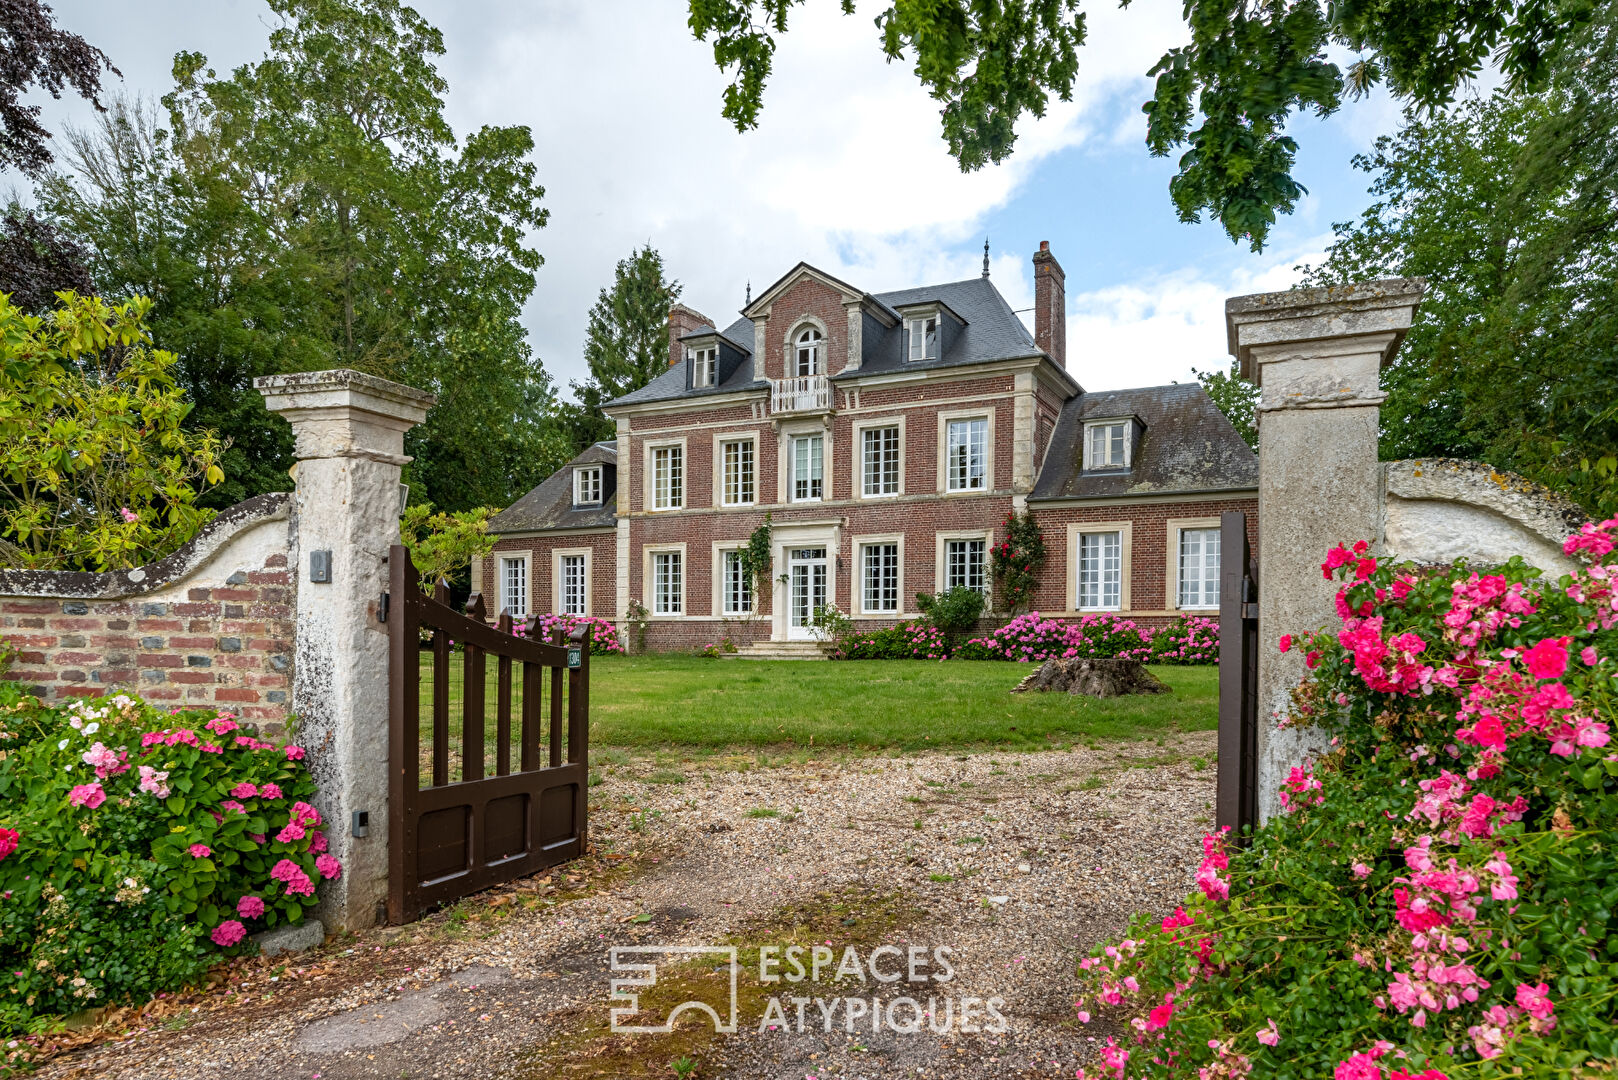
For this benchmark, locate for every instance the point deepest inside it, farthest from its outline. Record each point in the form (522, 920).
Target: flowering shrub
(906, 641)
(603, 636)
(1016, 560)
(1189, 639)
(135, 844)
(1032, 638)
(1439, 896)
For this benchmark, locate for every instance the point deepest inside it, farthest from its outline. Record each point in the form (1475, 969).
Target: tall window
(587, 485)
(880, 565)
(879, 455)
(923, 338)
(1101, 575)
(808, 360)
(735, 585)
(1199, 568)
(963, 564)
(704, 365)
(967, 450)
(808, 478)
(573, 585)
(738, 479)
(668, 583)
(1105, 446)
(668, 477)
(514, 585)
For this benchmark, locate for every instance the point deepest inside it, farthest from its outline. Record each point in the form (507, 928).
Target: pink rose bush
(1437, 896)
(135, 843)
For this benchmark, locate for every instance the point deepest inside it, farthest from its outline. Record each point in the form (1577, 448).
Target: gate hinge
(382, 609)
(1249, 611)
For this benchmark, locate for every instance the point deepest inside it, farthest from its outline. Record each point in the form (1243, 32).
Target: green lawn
(911, 704)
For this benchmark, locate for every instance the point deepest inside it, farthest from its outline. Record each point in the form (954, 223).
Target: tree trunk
(1097, 678)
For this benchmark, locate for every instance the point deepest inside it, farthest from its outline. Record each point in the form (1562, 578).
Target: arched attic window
(808, 351)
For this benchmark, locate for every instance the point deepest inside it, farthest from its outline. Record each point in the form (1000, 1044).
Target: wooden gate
(484, 817)
(1236, 802)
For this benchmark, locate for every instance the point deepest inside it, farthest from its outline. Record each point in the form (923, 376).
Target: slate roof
(1188, 446)
(992, 332)
(550, 505)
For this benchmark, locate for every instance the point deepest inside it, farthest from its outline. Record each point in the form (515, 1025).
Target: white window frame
(945, 419)
(792, 468)
(679, 608)
(586, 478)
(559, 579)
(860, 543)
(723, 553)
(858, 464)
(507, 559)
(982, 585)
(704, 365)
(813, 339)
(652, 450)
(1092, 426)
(1125, 531)
(917, 345)
(1176, 528)
(941, 542)
(721, 484)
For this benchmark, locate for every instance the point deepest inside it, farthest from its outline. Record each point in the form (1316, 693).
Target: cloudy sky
(847, 169)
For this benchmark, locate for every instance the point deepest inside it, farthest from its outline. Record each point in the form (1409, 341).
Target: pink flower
(1160, 1016)
(304, 814)
(107, 762)
(8, 841)
(328, 866)
(89, 795)
(1548, 659)
(1534, 1001)
(1358, 1067)
(292, 831)
(221, 725)
(1271, 1035)
(250, 907)
(317, 842)
(285, 870)
(294, 753)
(1285, 643)
(270, 791)
(244, 790)
(228, 933)
(199, 851)
(1360, 871)
(128, 515)
(233, 806)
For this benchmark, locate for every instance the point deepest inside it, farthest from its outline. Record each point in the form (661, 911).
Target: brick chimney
(683, 321)
(1050, 304)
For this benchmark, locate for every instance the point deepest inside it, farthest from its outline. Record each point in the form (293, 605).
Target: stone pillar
(1316, 355)
(350, 430)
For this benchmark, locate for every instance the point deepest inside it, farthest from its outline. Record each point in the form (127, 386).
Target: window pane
(881, 577)
(573, 585)
(738, 482)
(737, 589)
(514, 586)
(967, 445)
(667, 477)
(880, 461)
(963, 564)
(1100, 570)
(1199, 568)
(930, 346)
(666, 583)
(807, 478)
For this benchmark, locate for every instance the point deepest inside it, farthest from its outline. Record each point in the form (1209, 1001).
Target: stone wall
(209, 626)
(1436, 510)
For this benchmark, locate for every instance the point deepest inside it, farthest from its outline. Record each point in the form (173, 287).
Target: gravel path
(1018, 863)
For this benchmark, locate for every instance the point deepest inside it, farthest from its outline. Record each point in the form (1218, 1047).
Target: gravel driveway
(1017, 863)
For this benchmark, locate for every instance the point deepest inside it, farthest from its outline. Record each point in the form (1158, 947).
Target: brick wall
(209, 626)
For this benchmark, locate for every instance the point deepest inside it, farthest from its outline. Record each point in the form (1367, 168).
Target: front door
(806, 589)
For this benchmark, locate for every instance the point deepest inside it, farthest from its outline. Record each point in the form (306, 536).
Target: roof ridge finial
(985, 256)
(749, 300)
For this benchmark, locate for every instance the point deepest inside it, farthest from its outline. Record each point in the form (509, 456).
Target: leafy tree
(37, 261)
(96, 472)
(1509, 207)
(1246, 69)
(626, 343)
(34, 52)
(1237, 399)
(314, 209)
(444, 544)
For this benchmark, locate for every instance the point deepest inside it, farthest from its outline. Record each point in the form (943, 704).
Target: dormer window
(922, 333)
(587, 485)
(808, 349)
(1106, 445)
(704, 365)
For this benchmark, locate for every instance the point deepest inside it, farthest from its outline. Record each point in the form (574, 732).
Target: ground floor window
(880, 565)
(668, 584)
(573, 580)
(1199, 568)
(514, 585)
(963, 564)
(1101, 573)
(737, 588)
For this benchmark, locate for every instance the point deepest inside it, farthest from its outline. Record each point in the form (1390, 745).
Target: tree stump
(1095, 677)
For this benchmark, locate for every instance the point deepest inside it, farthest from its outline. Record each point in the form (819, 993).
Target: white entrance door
(806, 589)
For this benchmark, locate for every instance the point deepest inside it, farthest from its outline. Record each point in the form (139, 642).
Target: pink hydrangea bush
(139, 841)
(603, 636)
(1033, 638)
(1438, 896)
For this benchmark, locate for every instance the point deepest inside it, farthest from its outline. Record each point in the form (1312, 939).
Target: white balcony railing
(802, 393)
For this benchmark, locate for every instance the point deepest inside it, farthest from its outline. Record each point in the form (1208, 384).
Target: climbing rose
(1285, 642)
(328, 866)
(1548, 659)
(1271, 1035)
(228, 933)
(1358, 1067)
(250, 907)
(1534, 1001)
(200, 851)
(89, 795)
(8, 841)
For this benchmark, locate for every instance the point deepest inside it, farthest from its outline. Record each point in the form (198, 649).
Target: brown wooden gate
(1236, 802)
(484, 817)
